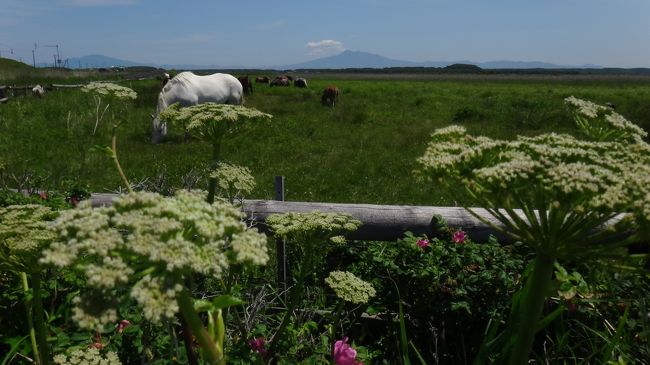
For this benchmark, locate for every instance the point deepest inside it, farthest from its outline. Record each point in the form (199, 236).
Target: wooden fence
(13, 91)
(379, 222)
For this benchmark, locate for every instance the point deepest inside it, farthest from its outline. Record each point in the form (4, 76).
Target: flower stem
(210, 351)
(39, 321)
(117, 162)
(30, 318)
(530, 309)
(212, 182)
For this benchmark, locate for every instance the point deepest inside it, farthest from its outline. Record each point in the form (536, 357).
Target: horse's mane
(182, 78)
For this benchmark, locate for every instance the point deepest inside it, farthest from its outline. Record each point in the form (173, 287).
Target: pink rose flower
(258, 345)
(458, 237)
(344, 354)
(423, 243)
(122, 325)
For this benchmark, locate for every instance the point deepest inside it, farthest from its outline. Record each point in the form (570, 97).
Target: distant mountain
(101, 61)
(346, 59)
(356, 59)
(95, 61)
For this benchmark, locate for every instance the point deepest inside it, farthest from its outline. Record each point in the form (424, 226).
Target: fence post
(280, 245)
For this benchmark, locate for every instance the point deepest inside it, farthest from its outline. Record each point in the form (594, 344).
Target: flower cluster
(234, 180)
(89, 356)
(299, 227)
(556, 179)
(23, 233)
(604, 124)
(350, 288)
(211, 120)
(110, 89)
(167, 237)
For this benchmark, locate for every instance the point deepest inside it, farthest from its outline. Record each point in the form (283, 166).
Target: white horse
(38, 91)
(189, 89)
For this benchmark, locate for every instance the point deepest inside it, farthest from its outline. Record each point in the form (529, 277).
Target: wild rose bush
(450, 290)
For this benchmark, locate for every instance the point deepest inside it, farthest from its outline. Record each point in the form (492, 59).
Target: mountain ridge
(343, 60)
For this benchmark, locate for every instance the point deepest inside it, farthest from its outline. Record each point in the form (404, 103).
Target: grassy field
(362, 151)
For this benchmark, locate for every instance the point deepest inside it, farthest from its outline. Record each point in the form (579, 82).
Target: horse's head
(159, 129)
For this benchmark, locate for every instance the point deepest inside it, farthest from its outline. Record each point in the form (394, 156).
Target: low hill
(7, 64)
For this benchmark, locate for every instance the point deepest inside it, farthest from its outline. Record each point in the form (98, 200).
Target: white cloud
(99, 2)
(324, 47)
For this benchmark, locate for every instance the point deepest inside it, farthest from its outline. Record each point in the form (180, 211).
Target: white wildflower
(110, 89)
(350, 288)
(88, 356)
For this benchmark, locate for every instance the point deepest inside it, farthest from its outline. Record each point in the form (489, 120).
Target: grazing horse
(165, 78)
(262, 79)
(189, 89)
(330, 95)
(300, 82)
(246, 84)
(280, 81)
(38, 91)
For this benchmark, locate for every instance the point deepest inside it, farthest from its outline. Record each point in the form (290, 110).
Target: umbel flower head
(234, 180)
(302, 227)
(110, 89)
(165, 237)
(23, 234)
(210, 120)
(570, 191)
(89, 356)
(602, 123)
(350, 288)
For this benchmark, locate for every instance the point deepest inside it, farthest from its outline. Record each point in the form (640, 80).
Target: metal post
(280, 245)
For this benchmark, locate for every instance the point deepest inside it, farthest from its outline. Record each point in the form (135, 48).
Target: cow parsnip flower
(210, 120)
(167, 237)
(23, 234)
(300, 227)
(110, 89)
(88, 356)
(568, 189)
(349, 287)
(579, 200)
(234, 180)
(601, 123)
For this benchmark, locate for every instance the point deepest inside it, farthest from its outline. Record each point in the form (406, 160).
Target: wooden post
(280, 245)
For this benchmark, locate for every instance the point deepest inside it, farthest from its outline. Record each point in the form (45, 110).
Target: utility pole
(57, 59)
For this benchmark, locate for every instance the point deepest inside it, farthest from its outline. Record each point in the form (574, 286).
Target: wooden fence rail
(379, 222)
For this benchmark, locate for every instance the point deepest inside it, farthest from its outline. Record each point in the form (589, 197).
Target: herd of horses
(188, 89)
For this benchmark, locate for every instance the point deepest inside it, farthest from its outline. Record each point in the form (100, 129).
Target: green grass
(362, 151)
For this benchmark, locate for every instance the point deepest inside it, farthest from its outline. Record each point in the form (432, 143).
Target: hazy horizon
(608, 33)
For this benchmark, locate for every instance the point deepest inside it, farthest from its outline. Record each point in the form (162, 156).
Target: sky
(258, 33)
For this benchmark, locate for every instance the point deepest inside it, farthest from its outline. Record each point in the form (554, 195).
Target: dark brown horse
(330, 95)
(246, 84)
(300, 82)
(280, 81)
(262, 79)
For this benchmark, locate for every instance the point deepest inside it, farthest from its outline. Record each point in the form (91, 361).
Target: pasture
(425, 298)
(361, 151)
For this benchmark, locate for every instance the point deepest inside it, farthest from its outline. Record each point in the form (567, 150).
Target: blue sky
(255, 33)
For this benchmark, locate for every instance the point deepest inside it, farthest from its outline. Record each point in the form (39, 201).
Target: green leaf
(226, 301)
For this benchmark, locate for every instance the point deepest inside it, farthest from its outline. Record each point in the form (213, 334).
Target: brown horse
(280, 81)
(330, 95)
(262, 79)
(246, 84)
(300, 82)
